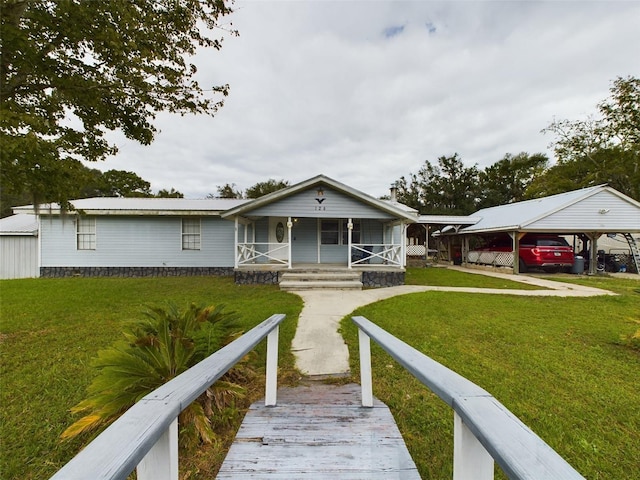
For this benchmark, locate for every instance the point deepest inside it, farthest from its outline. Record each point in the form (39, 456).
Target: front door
(278, 238)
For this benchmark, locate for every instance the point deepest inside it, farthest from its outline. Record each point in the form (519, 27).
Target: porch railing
(253, 252)
(378, 253)
(484, 430)
(145, 437)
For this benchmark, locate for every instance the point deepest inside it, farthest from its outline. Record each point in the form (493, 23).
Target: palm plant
(156, 349)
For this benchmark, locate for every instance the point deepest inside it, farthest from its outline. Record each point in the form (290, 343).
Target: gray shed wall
(18, 256)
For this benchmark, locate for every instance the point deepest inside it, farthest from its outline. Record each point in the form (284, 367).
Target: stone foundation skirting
(382, 279)
(62, 272)
(262, 277)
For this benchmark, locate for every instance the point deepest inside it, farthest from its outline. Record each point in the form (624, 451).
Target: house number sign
(319, 199)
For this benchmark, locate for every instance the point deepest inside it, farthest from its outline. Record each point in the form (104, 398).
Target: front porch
(283, 241)
(320, 224)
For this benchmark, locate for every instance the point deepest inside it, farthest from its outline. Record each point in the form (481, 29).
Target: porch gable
(319, 202)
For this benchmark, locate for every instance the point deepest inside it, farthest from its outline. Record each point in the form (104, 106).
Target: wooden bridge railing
(145, 437)
(484, 429)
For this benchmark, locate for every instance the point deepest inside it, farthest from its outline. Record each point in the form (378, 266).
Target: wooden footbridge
(319, 431)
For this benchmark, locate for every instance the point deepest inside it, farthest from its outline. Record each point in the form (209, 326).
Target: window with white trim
(329, 232)
(190, 234)
(335, 232)
(86, 233)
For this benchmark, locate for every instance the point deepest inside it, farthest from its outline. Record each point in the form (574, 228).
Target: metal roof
(449, 219)
(530, 215)
(141, 206)
(21, 224)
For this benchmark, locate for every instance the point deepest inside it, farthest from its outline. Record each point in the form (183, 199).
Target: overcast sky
(366, 91)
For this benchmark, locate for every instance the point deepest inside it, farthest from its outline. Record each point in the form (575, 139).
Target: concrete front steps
(320, 279)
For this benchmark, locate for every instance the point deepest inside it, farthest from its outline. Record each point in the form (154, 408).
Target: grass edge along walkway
(557, 363)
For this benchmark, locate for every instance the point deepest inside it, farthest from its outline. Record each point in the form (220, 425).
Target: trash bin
(578, 265)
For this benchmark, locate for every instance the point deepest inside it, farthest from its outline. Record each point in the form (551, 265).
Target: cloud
(365, 92)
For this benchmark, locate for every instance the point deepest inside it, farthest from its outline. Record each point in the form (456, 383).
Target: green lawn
(438, 276)
(557, 363)
(51, 328)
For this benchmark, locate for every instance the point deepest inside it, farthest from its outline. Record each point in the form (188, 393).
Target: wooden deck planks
(317, 432)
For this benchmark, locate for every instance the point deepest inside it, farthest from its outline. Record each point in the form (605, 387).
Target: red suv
(549, 252)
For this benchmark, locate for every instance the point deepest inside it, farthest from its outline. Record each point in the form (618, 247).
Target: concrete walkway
(319, 348)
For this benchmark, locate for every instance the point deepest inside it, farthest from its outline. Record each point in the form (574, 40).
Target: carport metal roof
(599, 209)
(448, 219)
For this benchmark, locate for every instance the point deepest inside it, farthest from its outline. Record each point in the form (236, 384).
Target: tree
(91, 182)
(507, 180)
(155, 350)
(228, 190)
(71, 70)
(604, 149)
(119, 183)
(173, 193)
(263, 188)
(446, 188)
(408, 192)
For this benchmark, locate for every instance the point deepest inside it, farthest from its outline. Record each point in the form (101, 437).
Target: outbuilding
(588, 213)
(19, 247)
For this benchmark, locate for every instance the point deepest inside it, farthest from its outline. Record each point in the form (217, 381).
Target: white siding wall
(18, 256)
(136, 242)
(621, 216)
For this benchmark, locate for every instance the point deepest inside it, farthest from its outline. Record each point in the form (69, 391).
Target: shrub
(156, 349)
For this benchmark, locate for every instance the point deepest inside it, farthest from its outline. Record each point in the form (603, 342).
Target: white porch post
(392, 243)
(403, 248)
(349, 231)
(235, 243)
(318, 238)
(289, 227)
(246, 227)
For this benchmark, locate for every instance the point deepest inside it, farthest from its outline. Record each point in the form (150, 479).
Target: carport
(591, 212)
(418, 233)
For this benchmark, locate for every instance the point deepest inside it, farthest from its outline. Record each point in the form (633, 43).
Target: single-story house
(316, 222)
(19, 247)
